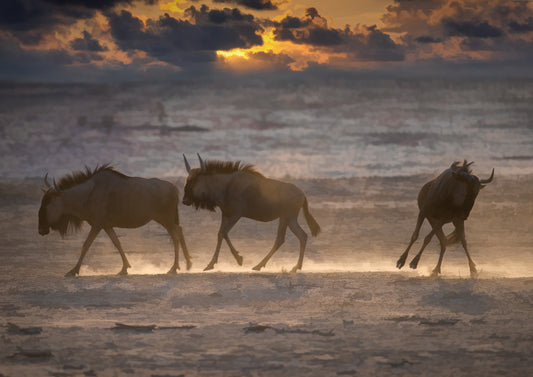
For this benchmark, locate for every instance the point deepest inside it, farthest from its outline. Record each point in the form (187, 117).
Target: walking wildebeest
(106, 198)
(447, 198)
(241, 191)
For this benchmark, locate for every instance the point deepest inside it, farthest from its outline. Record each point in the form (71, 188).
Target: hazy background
(360, 149)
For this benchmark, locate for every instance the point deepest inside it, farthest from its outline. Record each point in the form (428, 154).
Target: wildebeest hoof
(258, 267)
(210, 266)
(473, 272)
(400, 263)
(71, 273)
(413, 265)
(295, 269)
(172, 271)
(189, 265)
(435, 273)
(124, 271)
(239, 260)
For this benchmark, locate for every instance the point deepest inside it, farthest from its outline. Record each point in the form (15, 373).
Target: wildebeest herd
(106, 198)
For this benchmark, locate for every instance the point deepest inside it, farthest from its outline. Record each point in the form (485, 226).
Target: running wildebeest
(241, 191)
(106, 198)
(447, 198)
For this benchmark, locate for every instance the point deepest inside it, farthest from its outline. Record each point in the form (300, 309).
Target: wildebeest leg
(442, 239)
(302, 236)
(416, 259)
(173, 233)
(460, 229)
(234, 251)
(280, 239)
(90, 238)
(184, 247)
(125, 264)
(225, 225)
(414, 237)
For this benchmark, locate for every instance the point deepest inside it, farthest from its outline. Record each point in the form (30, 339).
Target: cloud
(30, 20)
(366, 43)
(181, 42)
(427, 39)
(519, 28)
(251, 4)
(471, 29)
(87, 43)
(462, 29)
(30, 63)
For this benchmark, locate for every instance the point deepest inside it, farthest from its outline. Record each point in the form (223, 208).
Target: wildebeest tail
(311, 222)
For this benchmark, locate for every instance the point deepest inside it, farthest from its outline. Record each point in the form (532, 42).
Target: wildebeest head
(194, 191)
(473, 184)
(51, 212)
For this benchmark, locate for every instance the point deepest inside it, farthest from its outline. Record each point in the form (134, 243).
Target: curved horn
(46, 182)
(485, 181)
(202, 163)
(187, 166)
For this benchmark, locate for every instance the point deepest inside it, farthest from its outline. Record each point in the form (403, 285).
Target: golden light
(173, 6)
(237, 52)
(300, 54)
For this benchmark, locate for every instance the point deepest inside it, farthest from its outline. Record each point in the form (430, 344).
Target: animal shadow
(459, 297)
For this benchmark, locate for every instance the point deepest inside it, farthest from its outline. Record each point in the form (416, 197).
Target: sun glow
(274, 54)
(237, 52)
(173, 6)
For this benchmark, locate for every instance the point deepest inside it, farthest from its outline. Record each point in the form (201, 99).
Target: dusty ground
(350, 312)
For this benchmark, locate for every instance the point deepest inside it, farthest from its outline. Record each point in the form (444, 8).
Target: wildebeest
(241, 191)
(447, 198)
(106, 198)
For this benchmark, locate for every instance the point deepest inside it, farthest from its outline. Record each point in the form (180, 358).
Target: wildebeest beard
(468, 204)
(67, 224)
(204, 202)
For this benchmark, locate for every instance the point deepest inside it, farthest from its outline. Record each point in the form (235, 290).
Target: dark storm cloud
(373, 45)
(30, 20)
(520, 28)
(251, 4)
(87, 43)
(427, 39)
(471, 29)
(500, 26)
(89, 4)
(18, 62)
(303, 32)
(181, 42)
(365, 43)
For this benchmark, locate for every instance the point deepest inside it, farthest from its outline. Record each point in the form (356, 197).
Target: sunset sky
(86, 40)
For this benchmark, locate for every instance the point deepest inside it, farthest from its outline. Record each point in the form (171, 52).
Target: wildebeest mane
(228, 167)
(81, 176)
(216, 167)
(465, 168)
